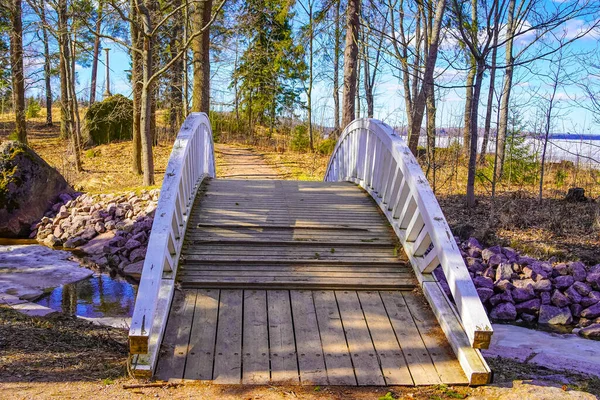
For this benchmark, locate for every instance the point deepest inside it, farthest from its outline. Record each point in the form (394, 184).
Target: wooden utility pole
(107, 91)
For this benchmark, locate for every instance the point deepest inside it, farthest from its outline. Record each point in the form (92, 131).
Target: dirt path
(235, 162)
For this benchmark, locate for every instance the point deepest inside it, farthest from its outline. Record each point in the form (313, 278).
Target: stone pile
(111, 230)
(514, 287)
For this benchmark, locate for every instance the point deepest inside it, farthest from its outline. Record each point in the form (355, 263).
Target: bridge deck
(298, 282)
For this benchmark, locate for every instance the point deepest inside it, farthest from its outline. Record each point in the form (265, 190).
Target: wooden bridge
(287, 282)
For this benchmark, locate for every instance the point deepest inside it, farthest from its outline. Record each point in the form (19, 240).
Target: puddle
(97, 296)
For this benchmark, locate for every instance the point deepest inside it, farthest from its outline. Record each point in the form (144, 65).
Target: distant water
(97, 296)
(583, 150)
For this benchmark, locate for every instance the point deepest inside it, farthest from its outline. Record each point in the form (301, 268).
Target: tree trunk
(431, 113)
(201, 58)
(350, 62)
(176, 84)
(16, 65)
(47, 66)
(146, 114)
(490, 99)
(506, 88)
(473, 133)
(96, 54)
(428, 81)
(310, 75)
(337, 36)
(136, 77)
(468, 104)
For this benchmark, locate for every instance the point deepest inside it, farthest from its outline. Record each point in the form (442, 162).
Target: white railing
(191, 160)
(370, 154)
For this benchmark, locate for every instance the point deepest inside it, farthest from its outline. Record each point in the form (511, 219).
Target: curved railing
(192, 160)
(371, 155)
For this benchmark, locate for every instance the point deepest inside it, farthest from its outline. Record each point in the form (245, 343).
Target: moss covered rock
(28, 188)
(109, 120)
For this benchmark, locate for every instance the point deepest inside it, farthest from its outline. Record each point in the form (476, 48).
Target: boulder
(563, 282)
(529, 307)
(504, 272)
(559, 299)
(577, 271)
(576, 194)
(591, 332)
(591, 312)
(485, 293)
(109, 120)
(550, 315)
(28, 188)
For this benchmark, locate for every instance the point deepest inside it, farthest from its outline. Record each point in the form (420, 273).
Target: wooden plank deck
(290, 235)
(314, 337)
(287, 282)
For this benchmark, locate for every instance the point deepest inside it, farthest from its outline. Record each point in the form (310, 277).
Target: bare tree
(350, 62)
(15, 12)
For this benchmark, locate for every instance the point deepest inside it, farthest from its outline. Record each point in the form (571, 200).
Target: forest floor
(52, 357)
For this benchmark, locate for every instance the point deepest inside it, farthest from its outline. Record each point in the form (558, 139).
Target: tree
(96, 54)
(350, 62)
(201, 15)
(16, 64)
(271, 66)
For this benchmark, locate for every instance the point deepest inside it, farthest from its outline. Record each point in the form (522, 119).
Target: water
(97, 296)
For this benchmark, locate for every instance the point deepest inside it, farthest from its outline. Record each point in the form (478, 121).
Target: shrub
(300, 139)
(109, 120)
(33, 108)
(326, 146)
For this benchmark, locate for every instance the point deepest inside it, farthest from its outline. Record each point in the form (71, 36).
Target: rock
(52, 241)
(137, 254)
(591, 332)
(486, 254)
(504, 272)
(573, 295)
(591, 312)
(473, 264)
(89, 233)
(577, 270)
(496, 260)
(545, 297)
(110, 225)
(134, 269)
(591, 299)
(528, 317)
(559, 299)
(504, 285)
(485, 293)
(543, 285)
(28, 188)
(132, 244)
(74, 242)
(97, 245)
(523, 283)
(561, 269)
(481, 281)
(99, 227)
(522, 294)
(476, 253)
(504, 297)
(550, 315)
(576, 309)
(504, 312)
(563, 282)
(473, 243)
(593, 278)
(531, 306)
(582, 288)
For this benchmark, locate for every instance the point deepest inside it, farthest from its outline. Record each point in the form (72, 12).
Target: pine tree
(271, 65)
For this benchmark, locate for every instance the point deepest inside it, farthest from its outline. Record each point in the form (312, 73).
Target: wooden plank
(417, 357)
(335, 349)
(444, 360)
(279, 242)
(194, 269)
(174, 349)
(394, 367)
(199, 364)
(282, 346)
(470, 359)
(364, 357)
(316, 260)
(255, 339)
(228, 348)
(300, 282)
(308, 342)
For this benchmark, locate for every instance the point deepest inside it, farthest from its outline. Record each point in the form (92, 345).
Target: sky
(530, 83)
